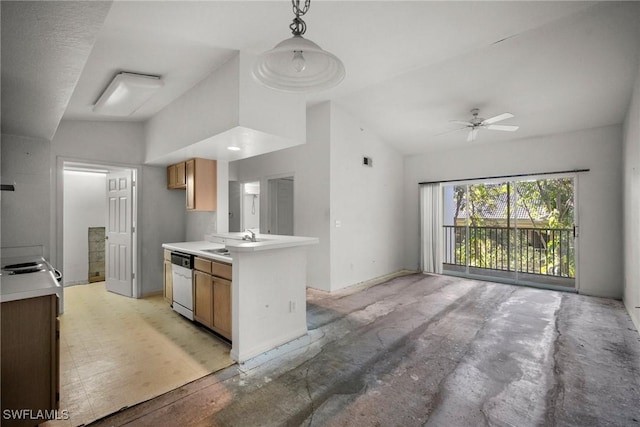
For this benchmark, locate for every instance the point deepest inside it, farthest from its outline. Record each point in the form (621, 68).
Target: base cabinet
(203, 298)
(168, 278)
(30, 354)
(212, 295)
(222, 306)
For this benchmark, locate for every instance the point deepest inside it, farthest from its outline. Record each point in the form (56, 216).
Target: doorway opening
(516, 231)
(96, 196)
(280, 206)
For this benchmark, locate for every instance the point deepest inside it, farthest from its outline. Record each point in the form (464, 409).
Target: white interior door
(119, 244)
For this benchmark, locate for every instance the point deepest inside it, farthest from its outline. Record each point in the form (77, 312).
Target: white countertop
(22, 286)
(234, 242)
(198, 249)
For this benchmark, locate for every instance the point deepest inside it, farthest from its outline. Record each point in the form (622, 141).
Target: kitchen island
(268, 289)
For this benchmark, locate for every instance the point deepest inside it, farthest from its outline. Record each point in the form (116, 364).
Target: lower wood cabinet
(203, 298)
(222, 306)
(30, 351)
(212, 296)
(168, 278)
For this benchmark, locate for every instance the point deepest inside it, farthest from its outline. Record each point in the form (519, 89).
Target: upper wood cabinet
(202, 185)
(176, 176)
(199, 177)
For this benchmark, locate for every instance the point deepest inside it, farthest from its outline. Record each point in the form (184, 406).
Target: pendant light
(298, 64)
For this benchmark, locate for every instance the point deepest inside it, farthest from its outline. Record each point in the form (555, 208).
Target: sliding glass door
(517, 231)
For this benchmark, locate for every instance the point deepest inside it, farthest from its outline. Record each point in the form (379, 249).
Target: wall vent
(367, 161)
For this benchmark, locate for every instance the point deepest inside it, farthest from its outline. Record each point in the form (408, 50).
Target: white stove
(24, 275)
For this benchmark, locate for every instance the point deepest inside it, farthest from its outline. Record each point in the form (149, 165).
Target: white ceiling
(412, 66)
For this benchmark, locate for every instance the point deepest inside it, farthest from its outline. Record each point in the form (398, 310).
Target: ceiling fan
(476, 123)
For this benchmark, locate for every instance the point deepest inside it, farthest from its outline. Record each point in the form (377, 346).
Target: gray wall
(161, 212)
(25, 212)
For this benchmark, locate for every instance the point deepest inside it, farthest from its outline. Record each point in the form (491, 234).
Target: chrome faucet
(251, 238)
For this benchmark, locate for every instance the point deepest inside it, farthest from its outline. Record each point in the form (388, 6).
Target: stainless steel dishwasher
(182, 275)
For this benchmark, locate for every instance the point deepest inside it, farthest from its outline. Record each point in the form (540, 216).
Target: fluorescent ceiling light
(233, 148)
(126, 93)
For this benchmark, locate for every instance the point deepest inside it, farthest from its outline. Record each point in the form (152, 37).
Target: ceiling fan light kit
(298, 64)
(476, 123)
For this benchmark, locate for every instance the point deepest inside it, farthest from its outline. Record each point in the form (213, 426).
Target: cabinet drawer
(221, 270)
(202, 264)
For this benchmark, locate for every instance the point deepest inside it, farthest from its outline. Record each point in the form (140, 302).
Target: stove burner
(26, 270)
(31, 264)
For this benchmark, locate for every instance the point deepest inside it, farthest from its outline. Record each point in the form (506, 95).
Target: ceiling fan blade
(508, 128)
(473, 133)
(461, 122)
(497, 118)
(449, 131)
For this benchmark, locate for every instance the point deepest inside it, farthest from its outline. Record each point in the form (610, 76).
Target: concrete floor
(428, 350)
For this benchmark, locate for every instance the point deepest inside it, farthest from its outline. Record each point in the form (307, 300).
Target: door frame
(57, 233)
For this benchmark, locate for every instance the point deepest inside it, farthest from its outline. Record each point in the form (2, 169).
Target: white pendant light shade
(298, 65)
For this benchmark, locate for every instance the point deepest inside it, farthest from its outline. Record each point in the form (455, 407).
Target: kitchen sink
(221, 251)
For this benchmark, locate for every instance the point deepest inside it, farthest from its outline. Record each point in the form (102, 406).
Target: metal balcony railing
(544, 251)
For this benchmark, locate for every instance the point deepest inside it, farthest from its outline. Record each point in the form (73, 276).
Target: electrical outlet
(292, 306)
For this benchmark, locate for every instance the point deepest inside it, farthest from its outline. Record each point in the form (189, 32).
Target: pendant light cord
(298, 26)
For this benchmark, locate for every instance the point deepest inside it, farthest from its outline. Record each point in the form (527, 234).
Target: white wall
(599, 192)
(161, 212)
(85, 205)
(309, 165)
(251, 211)
(25, 212)
(229, 97)
(631, 156)
(330, 184)
(366, 202)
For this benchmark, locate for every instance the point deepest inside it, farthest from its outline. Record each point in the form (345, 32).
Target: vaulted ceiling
(412, 66)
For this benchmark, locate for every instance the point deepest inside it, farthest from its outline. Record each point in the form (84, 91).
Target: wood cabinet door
(181, 175)
(222, 306)
(190, 174)
(171, 176)
(29, 351)
(203, 298)
(168, 282)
